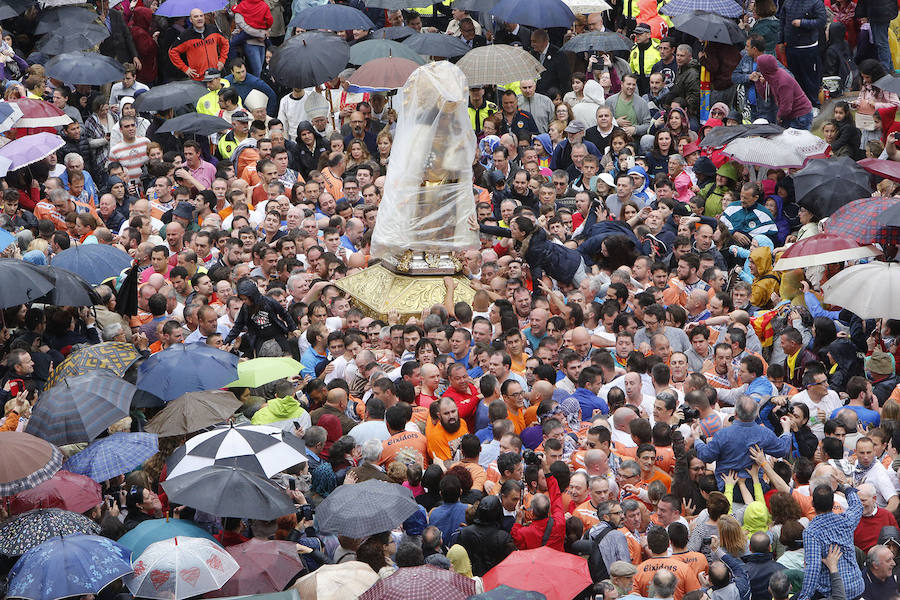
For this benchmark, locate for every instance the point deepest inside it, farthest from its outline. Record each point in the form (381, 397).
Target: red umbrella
(389, 72)
(823, 249)
(37, 116)
(266, 566)
(528, 569)
(421, 583)
(889, 169)
(857, 221)
(64, 490)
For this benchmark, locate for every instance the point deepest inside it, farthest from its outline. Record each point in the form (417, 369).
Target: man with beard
(462, 392)
(440, 435)
(358, 131)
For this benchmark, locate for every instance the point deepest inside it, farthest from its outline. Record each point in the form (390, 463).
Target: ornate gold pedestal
(378, 290)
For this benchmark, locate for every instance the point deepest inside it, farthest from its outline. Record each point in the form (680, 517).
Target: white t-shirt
(884, 488)
(828, 404)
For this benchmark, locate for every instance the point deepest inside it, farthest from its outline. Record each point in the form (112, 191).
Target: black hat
(183, 210)
(704, 166)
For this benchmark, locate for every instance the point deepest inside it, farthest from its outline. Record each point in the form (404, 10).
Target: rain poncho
(761, 241)
(278, 409)
(766, 281)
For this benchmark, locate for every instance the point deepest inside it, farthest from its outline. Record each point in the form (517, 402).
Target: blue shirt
(310, 360)
(866, 416)
(346, 243)
(823, 531)
(447, 518)
(729, 447)
(589, 402)
(532, 339)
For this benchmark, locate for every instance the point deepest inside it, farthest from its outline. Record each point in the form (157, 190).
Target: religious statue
(422, 219)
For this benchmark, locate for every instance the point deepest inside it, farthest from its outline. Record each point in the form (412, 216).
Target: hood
(779, 206)
(704, 166)
(756, 517)
(593, 92)
(843, 352)
(728, 170)
(767, 64)
(836, 33)
(247, 287)
(764, 241)
(713, 123)
(141, 17)
(488, 511)
(762, 258)
(285, 408)
(459, 560)
(544, 139)
(639, 170)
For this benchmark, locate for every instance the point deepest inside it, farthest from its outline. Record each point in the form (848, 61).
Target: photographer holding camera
(549, 525)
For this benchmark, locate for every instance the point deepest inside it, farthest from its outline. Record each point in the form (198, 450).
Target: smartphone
(292, 484)
(111, 501)
(629, 163)
(15, 387)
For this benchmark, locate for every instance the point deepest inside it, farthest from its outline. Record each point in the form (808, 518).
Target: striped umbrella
(23, 532)
(26, 461)
(114, 455)
(80, 408)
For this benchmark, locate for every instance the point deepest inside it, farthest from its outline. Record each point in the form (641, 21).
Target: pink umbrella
(65, 490)
(823, 249)
(390, 72)
(266, 566)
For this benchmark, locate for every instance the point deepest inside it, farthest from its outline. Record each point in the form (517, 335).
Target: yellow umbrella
(260, 371)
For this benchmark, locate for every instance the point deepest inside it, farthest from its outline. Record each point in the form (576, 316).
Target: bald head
(697, 300)
(337, 397)
(622, 417)
(542, 390)
(581, 341)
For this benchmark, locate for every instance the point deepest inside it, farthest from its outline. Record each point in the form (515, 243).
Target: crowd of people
(633, 382)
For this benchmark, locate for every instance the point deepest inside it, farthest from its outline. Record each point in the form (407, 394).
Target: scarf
(860, 472)
(255, 12)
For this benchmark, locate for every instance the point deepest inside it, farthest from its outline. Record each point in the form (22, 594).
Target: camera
(781, 411)
(305, 512)
(689, 414)
(531, 457)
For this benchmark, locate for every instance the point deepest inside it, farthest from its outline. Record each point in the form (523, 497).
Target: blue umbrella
(113, 455)
(392, 33)
(184, 368)
(726, 8)
(6, 238)
(156, 530)
(75, 565)
(182, 8)
(9, 114)
(546, 13)
(94, 262)
(333, 17)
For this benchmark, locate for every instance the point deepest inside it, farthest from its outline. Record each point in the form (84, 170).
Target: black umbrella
(398, 4)
(55, 19)
(365, 508)
(392, 33)
(890, 216)
(719, 136)
(126, 295)
(170, 95)
(21, 282)
(193, 122)
(888, 83)
(436, 44)
(230, 492)
(72, 39)
(826, 184)
(309, 59)
(13, 8)
(85, 68)
(598, 41)
(709, 27)
(69, 289)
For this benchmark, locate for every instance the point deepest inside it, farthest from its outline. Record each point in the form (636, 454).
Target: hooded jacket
(278, 409)
(713, 207)
(781, 85)
(306, 159)
(766, 280)
(687, 87)
(486, 543)
(147, 48)
(760, 567)
(642, 192)
(594, 97)
(848, 363)
(265, 312)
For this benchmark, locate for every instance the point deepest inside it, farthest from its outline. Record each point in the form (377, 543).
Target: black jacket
(279, 317)
(485, 542)
(557, 75)
(760, 567)
(119, 45)
(877, 11)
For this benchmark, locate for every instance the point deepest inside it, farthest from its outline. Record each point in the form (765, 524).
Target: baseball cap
(240, 115)
(575, 126)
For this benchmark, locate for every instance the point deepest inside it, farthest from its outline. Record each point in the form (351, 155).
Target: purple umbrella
(183, 8)
(28, 150)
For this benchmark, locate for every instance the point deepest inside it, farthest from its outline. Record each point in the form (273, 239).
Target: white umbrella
(872, 290)
(586, 7)
(787, 150)
(344, 581)
(257, 448)
(181, 567)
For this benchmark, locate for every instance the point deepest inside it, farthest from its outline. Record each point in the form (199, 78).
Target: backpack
(596, 564)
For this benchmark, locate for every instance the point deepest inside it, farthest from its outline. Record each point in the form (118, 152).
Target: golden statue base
(377, 291)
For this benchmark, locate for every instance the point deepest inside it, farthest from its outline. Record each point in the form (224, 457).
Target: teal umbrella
(156, 530)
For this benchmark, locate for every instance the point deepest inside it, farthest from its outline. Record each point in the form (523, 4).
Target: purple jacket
(783, 88)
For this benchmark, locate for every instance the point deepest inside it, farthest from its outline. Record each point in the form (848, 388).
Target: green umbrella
(260, 371)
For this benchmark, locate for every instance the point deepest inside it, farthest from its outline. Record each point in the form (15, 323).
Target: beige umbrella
(343, 581)
(586, 7)
(192, 412)
(498, 64)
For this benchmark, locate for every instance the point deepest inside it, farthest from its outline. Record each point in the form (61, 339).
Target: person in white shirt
(373, 427)
(870, 470)
(621, 431)
(820, 400)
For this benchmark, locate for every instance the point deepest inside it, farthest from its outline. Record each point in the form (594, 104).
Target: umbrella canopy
(230, 492)
(709, 27)
(364, 509)
(826, 184)
(22, 282)
(37, 113)
(436, 44)
(384, 73)
(80, 36)
(170, 95)
(392, 33)
(889, 169)
(890, 217)
(65, 490)
(114, 455)
(198, 123)
(26, 461)
(859, 221)
(87, 68)
(888, 83)
(586, 7)
(871, 291)
(9, 115)
(184, 368)
(13, 8)
(367, 50)
(337, 582)
(69, 289)
(30, 149)
(504, 592)
(258, 449)
(498, 64)
(332, 17)
(23, 532)
(726, 8)
(257, 372)
(74, 565)
(93, 262)
(309, 59)
(598, 41)
(422, 583)
(192, 412)
(788, 150)
(80, 408)
(823, 249)
(527, 569)
(398, 4)
(547, 13)
(66, 16)
(719, 136)
(182, 8)
(156, 530)
(181, 567)
(266, 566)
(115, 357)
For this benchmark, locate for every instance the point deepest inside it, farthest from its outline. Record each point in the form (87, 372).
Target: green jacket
(278, 409)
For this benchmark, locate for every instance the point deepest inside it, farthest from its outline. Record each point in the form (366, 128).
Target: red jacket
(466, 404)
(201, 50)
(528, 537)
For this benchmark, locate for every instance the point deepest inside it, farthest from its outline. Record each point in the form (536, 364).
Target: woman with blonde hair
(732, 536)
(384, 141)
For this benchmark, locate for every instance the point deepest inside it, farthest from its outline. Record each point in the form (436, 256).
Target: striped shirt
(753, 221)
(132, 155)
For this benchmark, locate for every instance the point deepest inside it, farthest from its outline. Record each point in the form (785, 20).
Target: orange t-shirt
(665, 458)
(439, 440)
(517, 418)
(531, 415)
(687, 581)
(658, 475)
(634, 546)
(587, 513)
(479, 475)
(695, 560)
(407, 442)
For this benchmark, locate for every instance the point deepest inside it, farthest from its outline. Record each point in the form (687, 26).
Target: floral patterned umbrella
(23, 532)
